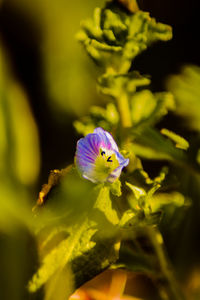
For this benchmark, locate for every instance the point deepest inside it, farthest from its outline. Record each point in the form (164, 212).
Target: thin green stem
(169, 288)
(124, 111)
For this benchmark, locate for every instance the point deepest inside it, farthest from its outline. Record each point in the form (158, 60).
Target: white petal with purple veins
(97, 157)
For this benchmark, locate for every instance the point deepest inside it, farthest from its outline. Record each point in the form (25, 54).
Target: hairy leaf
(116, 84)
(77, 242)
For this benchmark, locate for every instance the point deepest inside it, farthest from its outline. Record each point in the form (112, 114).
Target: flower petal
(107, 139)
(117, 172)
(98, 158)
(87, 150)
(122, 161)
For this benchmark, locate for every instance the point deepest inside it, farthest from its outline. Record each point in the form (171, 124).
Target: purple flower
(97, 157)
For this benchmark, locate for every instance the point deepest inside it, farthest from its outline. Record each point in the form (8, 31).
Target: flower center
(104, 153)
(105, 163)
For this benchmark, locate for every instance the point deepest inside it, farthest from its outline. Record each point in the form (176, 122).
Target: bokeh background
(46, 82)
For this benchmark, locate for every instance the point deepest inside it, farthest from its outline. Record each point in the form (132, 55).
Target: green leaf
(19, 153)
(115, 188)
(137, 199)
(77, 241)
(138, 192)
(147, 30)
(150, 144)
(84, 127)
(56, 287)
(19, 147)
(110, 114)
(106, 118)
(148, 108)
(76, 244)
(128, 218)
(143, 31)
(116, 84)
(113, 38)
(185, 88)
(142, 200)
(162, 199)
(179, 141)
(151, 203)
(104, 203)
(82, 253)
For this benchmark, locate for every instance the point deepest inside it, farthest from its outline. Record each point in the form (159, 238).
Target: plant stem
(169, 288)
(124, 110)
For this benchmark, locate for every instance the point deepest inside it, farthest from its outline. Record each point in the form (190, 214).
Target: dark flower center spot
(109, 159)
(103, 152)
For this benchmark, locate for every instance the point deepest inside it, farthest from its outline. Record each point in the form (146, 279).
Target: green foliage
(115, 84)
(114, 38)
(150, 143)
(82, 238)
(99, 117)
(82, 228)
(179, 141)
(79, 245)
(148, 108)
(79, 239)
(19, 148)
(185, 88)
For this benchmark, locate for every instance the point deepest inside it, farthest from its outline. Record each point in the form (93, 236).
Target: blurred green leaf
(115, 188)
(107, 118)
(150, 201)
(19, 153)
(19, 170)
(84, 246)
(104, 204)
(185, 88)
(84, 126)
(148, 108)
(76, 244)
(127, 217)
(179, 141)
(64, 79)
(56, 287)
(149, 143)
(110, 114)
(162, 199)
(19, 146)
(138, 192)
